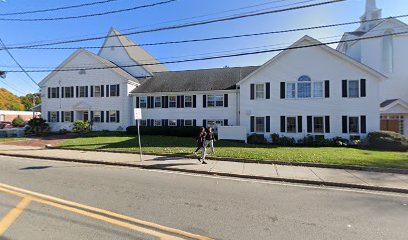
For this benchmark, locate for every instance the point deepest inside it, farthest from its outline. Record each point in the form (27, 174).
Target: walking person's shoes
(195, 153)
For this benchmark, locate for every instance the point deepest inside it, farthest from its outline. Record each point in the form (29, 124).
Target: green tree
(28, 100)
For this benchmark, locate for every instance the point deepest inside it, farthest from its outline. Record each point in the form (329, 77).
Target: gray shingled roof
(195, 80)
(387, 102)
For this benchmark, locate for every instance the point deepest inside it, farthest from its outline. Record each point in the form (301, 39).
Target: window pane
(318, 124)
(260, 91)
(318, 89)
(67, 116)
(97, 91)
(54, 116)
(291, 124)
(188, 101)
(157, 123)
(143, 123)
(97, 117)
(353, 125)
(113, 90)
(172, 101)
(112, 116)
(172, 123)
(143, 102)
(291, 90)
(157, 102)
(353, 89)
(259, 124)
(219, 101)
(188, 123)
(304, 90)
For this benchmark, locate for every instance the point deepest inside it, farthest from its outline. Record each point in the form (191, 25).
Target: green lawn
(163, 144)
(11, 139)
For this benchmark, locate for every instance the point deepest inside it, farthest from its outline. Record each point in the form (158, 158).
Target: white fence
(232, 133)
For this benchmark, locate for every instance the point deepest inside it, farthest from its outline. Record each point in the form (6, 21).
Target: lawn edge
(301, 164)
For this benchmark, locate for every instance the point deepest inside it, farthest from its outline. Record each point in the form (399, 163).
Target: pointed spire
(371, 13)
(371, 5)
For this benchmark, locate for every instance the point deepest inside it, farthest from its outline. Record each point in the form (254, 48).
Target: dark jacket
(201, 138)
(210, 136)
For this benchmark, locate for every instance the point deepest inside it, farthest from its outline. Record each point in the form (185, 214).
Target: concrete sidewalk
(295, 174)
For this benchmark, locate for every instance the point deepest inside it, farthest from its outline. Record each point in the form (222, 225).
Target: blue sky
(26, 32)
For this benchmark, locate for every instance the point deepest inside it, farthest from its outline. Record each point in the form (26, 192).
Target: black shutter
(58, 93)
(282, 90)
(92, 115)
(327, 124)
(163, 101)
(225, 100)
(194, 122)
(344, 88)
(49, 92)
(363, 91)
(86, 91)
(204, 101)
(252, 124)
(225, 122)
(117, 116)
(268, 124)
(137, 102)
(62, 116)
(107, 90)
(182, 101)
(344, 124)
(204, 123)
(117, 90)
(252, 92)
(152, 100)
(309, 124)
(72, 92)
(72, 116)
(178, 122)
(363, 122)
(102, 116)
(194, 101)
(49, 116)
(166, 101)
(58, 117)
(102, 91)
(149, 103)
(327, 89)
(182, 122)
(77, 91)
(62, 92)
(283, 124)
(300, 124)
(107, 116)
(178, 102)
(268, 90)
(92, 91)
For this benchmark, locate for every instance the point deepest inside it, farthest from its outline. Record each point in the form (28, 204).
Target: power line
(57, 8)
(219, 57)
(184, 25)
(15, 60)
(86, 15)
(209, 39)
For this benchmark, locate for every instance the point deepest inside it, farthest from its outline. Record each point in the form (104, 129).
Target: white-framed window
(354, 125)
(215, 100)
(157, 123)
(291, 90)
(97, 116)
(82, 91)
(143, 102)
(318, 89)
(67, 117)
(260, 91)
(188, 123)
(172, 102)
(158, 102)
(143, 123)
(259, 124)
(214, 123)
(54, 116)
(318, 124)
(112, 116)
(54, 92)
(291, 124)
(188, 101)
(172, 123)
(353, 88)
(68, 92)
(97, 91)
(113, 90)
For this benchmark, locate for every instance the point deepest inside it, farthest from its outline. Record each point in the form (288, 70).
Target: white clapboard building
(360, 87)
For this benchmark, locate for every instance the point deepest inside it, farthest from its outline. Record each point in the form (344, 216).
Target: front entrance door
(86, 116)
(392, 125)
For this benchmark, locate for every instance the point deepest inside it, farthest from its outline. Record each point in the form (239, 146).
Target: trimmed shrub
(275, 138)
(80, 126)
(257, 139)
(388, 141)
(37, 126)
(287, 141)
(18, 122)
(165, 131)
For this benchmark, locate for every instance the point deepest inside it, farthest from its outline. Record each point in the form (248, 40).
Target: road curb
(269, 162)
(274, 179)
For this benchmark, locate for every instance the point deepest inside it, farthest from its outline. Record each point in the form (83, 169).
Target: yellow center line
(101, 211)
(6, 222)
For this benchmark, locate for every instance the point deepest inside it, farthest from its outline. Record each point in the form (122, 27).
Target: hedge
(165, 131)
(389, 141)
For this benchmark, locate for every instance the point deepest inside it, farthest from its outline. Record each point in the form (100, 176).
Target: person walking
(201, 139)
(211, 139)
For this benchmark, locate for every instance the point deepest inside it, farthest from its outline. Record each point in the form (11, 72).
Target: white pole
(140, 145)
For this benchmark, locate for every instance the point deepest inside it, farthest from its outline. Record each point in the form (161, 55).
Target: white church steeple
(371, 13)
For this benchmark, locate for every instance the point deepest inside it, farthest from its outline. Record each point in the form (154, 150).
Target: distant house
(8, 116)
(347, 92)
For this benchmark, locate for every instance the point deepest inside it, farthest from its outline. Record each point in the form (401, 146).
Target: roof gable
(308, 41)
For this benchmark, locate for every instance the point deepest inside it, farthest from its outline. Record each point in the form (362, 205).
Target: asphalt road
(213, 207)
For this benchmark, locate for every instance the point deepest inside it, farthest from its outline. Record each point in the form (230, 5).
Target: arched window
(304, 78)
(388, 52)
(304, 87)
